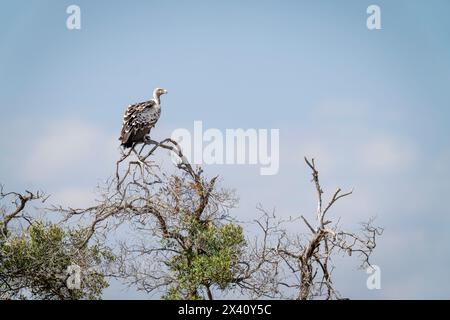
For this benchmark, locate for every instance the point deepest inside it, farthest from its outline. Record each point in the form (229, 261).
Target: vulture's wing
(134, 120)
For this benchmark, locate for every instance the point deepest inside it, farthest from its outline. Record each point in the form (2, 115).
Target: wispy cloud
(74, 197)
(387, 154)
(67, 149)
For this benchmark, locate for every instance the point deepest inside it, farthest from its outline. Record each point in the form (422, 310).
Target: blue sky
(372, 106)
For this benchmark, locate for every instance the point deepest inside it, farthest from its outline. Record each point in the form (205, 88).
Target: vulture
(139, 119)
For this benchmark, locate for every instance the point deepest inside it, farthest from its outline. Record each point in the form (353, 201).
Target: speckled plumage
(139, 119)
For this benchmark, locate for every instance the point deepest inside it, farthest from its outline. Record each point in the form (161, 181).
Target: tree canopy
(183, 241)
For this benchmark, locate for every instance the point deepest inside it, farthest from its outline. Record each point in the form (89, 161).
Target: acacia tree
(181, 241)
(35, 254)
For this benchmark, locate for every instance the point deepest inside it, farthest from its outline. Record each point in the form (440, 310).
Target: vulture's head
(158, 92)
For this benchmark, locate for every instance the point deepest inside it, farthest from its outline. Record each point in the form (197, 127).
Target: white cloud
(73, 197)
(342, 109)
(387, 153)
(69, 149)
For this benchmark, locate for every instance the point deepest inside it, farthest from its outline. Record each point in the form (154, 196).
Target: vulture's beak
(165, 91)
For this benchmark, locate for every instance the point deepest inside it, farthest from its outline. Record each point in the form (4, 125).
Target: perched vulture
(139, 118)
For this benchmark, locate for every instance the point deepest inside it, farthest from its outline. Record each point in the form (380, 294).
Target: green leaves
(210, 259)
(36, 261)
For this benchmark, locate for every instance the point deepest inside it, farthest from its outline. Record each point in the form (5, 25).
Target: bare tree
(18, 201)
(310, 259)
(181, 241)
(35, 254)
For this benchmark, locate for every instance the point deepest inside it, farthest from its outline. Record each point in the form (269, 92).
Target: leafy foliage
(34, 264)
(183, 242)
(209, 261)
